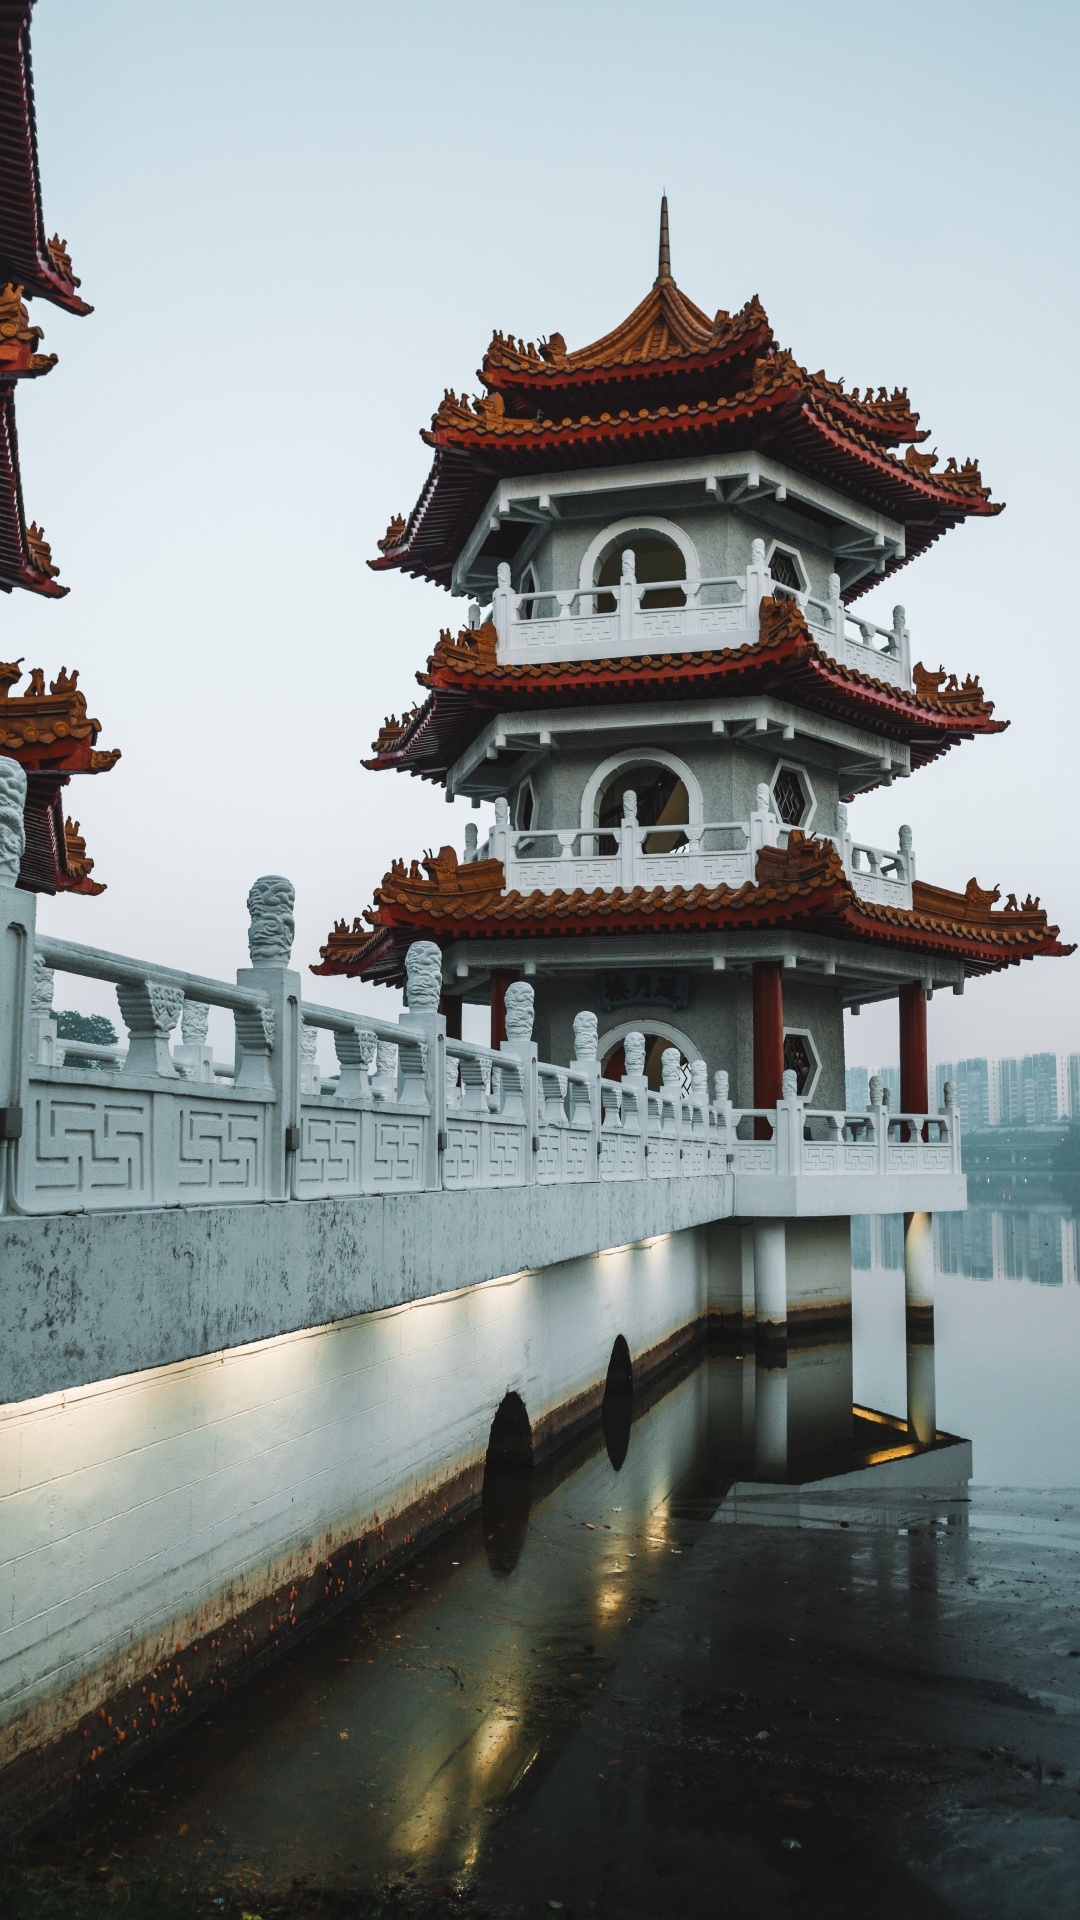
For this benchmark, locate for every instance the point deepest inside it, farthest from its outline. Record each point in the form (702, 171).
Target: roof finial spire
(664, 270)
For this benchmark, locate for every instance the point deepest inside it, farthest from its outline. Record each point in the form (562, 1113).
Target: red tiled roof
(467, 685)
(802, 887)
(670, 383)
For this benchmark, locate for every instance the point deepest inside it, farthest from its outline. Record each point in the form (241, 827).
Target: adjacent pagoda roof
(42, 267)
(52, 736)
(468, 685)
(802, 887)
(670, 384)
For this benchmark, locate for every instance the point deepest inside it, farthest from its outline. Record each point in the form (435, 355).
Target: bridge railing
(162, 1122)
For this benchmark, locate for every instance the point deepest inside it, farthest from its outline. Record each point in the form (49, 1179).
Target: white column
(919, 1304)
(770, 1278)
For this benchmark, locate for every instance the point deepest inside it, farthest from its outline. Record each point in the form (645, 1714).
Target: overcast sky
(299, 224)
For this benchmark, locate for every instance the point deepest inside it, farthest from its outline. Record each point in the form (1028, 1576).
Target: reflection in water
(1017, 1227)
(617, 1409)
(386, 1742)
(508, 1485)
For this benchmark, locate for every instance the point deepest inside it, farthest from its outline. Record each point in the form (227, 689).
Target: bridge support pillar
(919, 1314)
(770, 1282)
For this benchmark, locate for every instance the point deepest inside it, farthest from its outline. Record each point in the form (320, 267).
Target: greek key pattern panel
(329, 1160)
(93, 1149)
(549, 1157)
(396, 1154)
(504, 1156)
(462, 1159)
(221, 1151)
(860, 1159)
(755, 1156)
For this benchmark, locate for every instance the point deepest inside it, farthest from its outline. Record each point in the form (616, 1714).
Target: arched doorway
(662, 801)
(506, 1497)
(655, 558)
(617, 1407)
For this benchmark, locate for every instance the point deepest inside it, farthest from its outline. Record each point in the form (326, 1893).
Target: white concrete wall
(141, 1512)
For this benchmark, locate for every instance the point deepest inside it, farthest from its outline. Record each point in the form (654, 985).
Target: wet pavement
(662, 1687)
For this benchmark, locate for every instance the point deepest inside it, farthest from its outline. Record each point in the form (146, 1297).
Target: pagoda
(47, 730)
(668, 694)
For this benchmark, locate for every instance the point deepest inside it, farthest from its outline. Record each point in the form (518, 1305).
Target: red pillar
(914, 1078)
(450, 1005)
(499, 983)
(768, 1032)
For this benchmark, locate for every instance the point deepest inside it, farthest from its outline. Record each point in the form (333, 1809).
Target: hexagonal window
(784, 569)
(801, 1059)
(789, 797)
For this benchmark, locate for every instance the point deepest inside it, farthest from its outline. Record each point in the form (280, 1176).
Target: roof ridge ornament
(663, 272)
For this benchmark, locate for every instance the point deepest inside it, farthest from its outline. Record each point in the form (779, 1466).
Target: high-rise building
(1010, 1103)
(973, 1093)
(857, 1089)
(1038, 1089)
(1073, 1076)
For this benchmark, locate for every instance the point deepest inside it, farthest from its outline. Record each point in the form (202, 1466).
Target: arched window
(655, 558)
(662, 801)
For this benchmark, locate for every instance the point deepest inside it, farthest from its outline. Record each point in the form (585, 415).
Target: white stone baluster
(628, 840)
(423, 1068)
(45, 1050)
(520, 1045)
(194, 1058)
(355, 1052)
(672, 1086)
(500, 848)
(502, 611)
(789, 1124)
(470, 842)
(586, 1041)
(907, 856)
(17, 920)
(310, 1077)
(901, 646)
(150, 1011)
(636, 1096)
(270, 1034)
(764, 825)
(627, 601)
(836, 610)
(758, 584)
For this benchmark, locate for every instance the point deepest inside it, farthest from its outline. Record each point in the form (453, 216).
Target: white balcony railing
(160, 1124)
(702, 853)
(720, 611)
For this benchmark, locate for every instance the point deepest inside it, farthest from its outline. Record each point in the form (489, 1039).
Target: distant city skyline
(1035, 1089)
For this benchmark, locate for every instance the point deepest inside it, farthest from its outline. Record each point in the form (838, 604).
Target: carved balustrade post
(310, 1077)
(423, 991)
(45, 1051)
(356, 1051)
(764, 824)
(586, 1040)
(671, 1080)
(519, 1043)
(149, 1011)
(758, 585)
(18, 912)
(789, 1125)
(628, 842)
(627, 601)
(635, 1081)
(269, 1035)
(194, 1058)
(502, 611)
